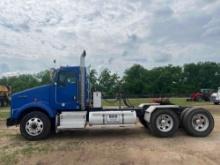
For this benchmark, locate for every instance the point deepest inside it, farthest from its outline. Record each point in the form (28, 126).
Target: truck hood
(36, 94)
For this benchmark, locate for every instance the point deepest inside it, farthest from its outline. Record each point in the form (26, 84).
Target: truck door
(66, 96)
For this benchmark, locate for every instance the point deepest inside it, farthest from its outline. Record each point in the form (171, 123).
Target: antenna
(55, 63)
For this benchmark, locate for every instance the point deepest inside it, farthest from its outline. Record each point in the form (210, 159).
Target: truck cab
(62, 94)
(65, 104)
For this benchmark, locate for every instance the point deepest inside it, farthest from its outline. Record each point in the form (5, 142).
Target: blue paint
(63, 94)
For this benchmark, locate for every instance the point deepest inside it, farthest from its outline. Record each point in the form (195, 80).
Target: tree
(201, 75)
(108, 83)
(93, 80)
(19, 83)
(135, 80)
(166, 80)
(44, 77)
(26, 81)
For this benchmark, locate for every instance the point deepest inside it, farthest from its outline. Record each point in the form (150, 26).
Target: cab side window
(66, 78)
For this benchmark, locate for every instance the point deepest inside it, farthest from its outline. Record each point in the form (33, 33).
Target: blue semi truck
(68, 104)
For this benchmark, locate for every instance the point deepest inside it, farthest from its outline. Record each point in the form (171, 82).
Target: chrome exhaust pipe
(82, 80)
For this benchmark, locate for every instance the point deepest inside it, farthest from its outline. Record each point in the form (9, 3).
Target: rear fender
(151, 109)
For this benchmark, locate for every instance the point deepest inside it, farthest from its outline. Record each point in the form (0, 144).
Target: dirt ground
(115, 146)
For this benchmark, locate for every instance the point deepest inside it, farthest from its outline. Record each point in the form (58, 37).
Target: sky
(115, 33)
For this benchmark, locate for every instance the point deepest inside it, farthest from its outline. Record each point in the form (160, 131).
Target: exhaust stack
(82, 80)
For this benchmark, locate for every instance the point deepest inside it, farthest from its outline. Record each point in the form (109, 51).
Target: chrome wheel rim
(34, 126)
(164, 122)
(200, 122)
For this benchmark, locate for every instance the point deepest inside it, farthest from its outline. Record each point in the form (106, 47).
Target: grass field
(177, 101)
(4, 113)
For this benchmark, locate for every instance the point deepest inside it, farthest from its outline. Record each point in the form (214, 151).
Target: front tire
(164, 123)
(198, 122)
(35, 126)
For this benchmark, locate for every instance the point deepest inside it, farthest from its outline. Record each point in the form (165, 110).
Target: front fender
(43, 106)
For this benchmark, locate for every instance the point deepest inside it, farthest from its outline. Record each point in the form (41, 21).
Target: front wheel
(164, 123)
(35, 126)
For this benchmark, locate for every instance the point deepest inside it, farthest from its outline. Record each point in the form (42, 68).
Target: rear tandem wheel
(198, 122)
(164, 123)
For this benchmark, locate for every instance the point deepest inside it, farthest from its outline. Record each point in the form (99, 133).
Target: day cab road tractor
(65, 104)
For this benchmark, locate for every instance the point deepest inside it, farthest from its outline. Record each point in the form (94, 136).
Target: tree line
(137, 81)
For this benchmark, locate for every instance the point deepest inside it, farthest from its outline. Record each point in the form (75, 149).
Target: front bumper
(10, 122)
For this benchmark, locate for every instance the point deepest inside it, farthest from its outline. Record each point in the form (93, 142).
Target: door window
(66, 78)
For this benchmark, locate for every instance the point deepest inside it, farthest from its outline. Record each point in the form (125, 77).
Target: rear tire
(198, 122)
(164, 123)
(183, 113)
(35, 126)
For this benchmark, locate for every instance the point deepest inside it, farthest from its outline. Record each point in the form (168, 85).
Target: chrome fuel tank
(112, 117)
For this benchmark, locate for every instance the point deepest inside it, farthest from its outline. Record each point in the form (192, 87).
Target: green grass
(183, 102)
(136, 102)
(29, 148)
(10, 154)
(4, 109)
(8, 159)
(4, 114)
